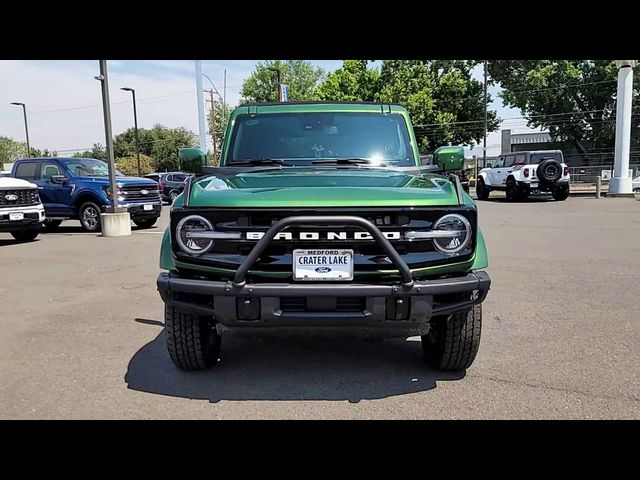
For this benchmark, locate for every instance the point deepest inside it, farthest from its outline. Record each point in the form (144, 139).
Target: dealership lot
(82, 333)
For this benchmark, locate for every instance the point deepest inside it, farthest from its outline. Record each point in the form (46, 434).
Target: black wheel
(25, 235)
(514, 192)
(482, 192)
(51, 225)
(145, 222)
(89, 214)
(173, 194)
(192, 340)
(560, 194)
(549, 170)
(453, 341)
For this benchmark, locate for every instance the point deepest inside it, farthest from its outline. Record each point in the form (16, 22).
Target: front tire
(453, 341)
(145, 222)
(51, 225)
(173, 194)
(192, 340)
(482, 192)
(25, 235)
(89, 214)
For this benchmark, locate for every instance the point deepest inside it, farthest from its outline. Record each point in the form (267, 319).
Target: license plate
(147, 207)
(534, 185)
(16, 216)
(323, 265)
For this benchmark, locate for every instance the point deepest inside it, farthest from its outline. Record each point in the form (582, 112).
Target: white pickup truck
(21, 211)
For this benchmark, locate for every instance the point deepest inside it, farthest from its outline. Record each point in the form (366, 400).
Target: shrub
(129, 165)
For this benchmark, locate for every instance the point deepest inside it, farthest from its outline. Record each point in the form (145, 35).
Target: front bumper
(387, 309)
(33, 218)
(136, 210)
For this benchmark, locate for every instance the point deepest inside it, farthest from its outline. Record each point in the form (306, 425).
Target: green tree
(11, 150)
(98, 152)
(573, 99)
(445, 103)
(160, 143)
(221, 116)
(300, 76)
(129, 165)
(352, 82)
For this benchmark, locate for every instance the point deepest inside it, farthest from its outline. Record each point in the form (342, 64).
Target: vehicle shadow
(289, 369)
(10, 241)
(531, 199)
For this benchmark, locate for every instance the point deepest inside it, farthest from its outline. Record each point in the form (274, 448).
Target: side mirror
(192, 160)
(59, 179)
(450, 159)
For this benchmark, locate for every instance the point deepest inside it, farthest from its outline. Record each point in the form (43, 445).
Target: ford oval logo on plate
(323, 269)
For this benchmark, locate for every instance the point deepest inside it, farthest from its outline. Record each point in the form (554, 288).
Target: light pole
(213, 113)
(135, 123)
(26, 127)
(200, 105)
(620, 183)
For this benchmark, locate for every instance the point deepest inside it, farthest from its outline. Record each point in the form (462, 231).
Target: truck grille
(145, 192)
(26, 196)
(368, 255)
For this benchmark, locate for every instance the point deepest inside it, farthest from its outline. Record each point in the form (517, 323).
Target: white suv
(522, 173)
(21, 211)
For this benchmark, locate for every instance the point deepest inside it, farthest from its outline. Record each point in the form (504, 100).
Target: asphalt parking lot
(82, 334)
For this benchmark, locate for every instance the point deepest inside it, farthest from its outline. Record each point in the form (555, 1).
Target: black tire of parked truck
(514, 192)
(51, 225)
(145, 222)
(482, 192)
(453, 341)
(192, 340)
(89, 215)
(560, 194)
(25, 235)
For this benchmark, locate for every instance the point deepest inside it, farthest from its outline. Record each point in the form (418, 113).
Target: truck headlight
(461, 233)
(194, 224)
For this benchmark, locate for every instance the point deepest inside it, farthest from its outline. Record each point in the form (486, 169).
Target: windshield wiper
(350, 161)
(260, 161)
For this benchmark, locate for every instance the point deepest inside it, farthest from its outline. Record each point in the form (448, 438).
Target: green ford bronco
(321, 219)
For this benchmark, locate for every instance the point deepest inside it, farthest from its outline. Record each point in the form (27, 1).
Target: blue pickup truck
(78, 188)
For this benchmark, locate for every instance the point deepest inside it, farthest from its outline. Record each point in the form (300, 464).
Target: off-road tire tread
(459, 346)
(184, 340)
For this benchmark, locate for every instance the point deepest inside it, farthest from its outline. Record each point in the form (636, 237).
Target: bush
(129, 165)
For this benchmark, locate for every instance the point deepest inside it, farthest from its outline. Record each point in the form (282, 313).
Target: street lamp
(26, 128)
(135, 122)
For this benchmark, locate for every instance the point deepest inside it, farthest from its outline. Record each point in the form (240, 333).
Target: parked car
(21, 211)
(635, 184)
(171, 184)
(78, 188)
(522, 173)
(321, 220)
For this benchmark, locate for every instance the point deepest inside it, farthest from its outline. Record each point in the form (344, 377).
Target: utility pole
(106, 110)
(26, 126)
(484, 145)
(135, 123)
(213, 123)
(200, 100)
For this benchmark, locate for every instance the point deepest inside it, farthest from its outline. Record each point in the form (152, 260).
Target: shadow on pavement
(290, 369)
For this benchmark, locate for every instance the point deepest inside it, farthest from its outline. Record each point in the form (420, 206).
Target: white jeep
(522, 173)
(21, 211)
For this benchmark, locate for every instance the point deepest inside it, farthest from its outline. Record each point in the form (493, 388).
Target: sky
(64, 104)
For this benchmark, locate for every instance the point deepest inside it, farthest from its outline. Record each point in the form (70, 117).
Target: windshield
(536, 158)
(88, 167)
(301, 138)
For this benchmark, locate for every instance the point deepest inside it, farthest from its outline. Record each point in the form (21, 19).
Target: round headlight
(459, 227)
(194, 224)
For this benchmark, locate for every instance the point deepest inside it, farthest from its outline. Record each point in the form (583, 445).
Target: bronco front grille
(19, 197)
(368, 255)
